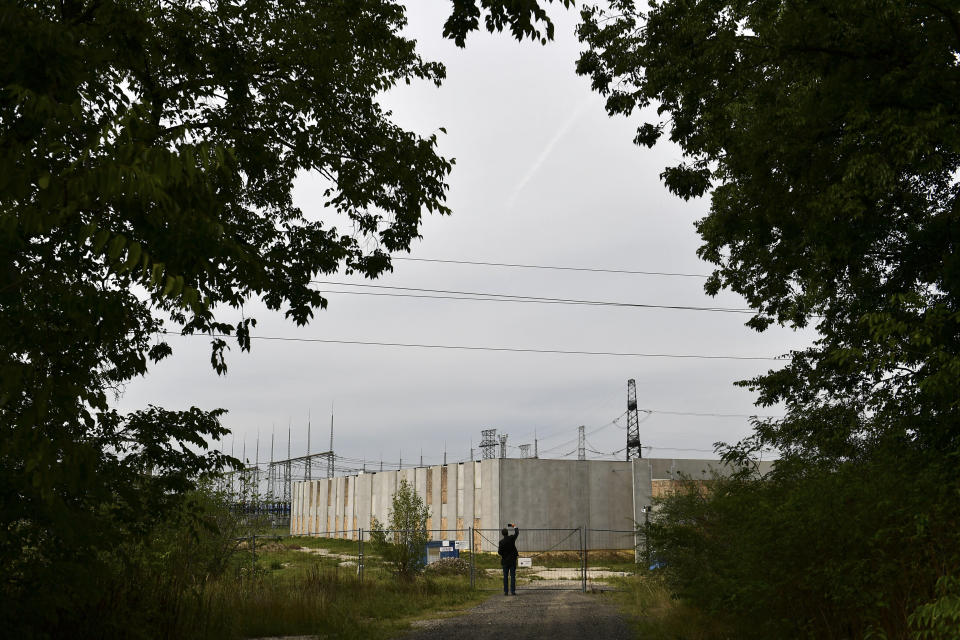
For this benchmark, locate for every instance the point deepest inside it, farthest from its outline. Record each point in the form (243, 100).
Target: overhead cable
(552, 267)
(479, 296)
(706, 414)
(687, 356)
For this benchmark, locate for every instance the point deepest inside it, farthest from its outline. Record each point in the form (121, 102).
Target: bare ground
(555, 615)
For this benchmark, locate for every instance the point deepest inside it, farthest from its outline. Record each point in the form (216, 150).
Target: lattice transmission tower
(634, 451)
(581, 443)
(488, 444)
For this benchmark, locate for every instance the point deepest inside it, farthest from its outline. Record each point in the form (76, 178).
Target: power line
(552, 267)
(707, 415)
(479, 296)
(680, 449)
(687, 356)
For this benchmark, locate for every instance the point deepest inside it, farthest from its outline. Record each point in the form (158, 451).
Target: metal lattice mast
(524, 450)
(581, 444)
(243, 471)
(330, 456)
(503, 445)
(287, 470)
(488, 444)
(634, 451)
(271, 479)
(256, 470)
(309, 460)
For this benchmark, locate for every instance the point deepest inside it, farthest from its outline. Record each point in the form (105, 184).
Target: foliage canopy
(148, 153)
(827, 138)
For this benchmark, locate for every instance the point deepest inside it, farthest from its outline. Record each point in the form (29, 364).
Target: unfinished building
(487, 494)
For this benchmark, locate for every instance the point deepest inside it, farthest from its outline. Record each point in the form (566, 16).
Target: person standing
(508, 558)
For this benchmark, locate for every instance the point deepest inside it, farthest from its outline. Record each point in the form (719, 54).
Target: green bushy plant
(846, 550)
(402, 541)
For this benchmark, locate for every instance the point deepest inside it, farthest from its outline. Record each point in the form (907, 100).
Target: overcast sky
(545, 177)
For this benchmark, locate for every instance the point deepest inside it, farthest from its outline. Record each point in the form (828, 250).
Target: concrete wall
(459, 496)
(486, 495)
(566, 494)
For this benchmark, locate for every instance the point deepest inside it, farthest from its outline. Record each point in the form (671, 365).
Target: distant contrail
(545, 153)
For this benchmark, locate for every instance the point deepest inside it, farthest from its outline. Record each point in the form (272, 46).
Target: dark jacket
(508, 549)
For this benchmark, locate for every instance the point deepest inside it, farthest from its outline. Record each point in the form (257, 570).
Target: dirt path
(555, 615)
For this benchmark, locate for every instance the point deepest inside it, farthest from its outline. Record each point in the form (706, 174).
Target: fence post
(586, 555)
(360, 557)
(583, 562)
(472, 561)
(646, 536)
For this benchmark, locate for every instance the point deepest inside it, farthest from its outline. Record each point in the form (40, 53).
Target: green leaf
(100, 240)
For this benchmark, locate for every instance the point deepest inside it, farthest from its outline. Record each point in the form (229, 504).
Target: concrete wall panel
(535, 493)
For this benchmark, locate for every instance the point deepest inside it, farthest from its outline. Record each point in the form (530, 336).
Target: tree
(148, 156)
(826, 137)
(403, 541)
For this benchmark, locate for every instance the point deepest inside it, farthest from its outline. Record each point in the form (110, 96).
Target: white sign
(445, 543)
(459, 544)
(524, 562)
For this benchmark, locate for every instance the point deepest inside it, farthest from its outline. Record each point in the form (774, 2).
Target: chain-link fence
(549, 559)
(552, 559)
(610, 556)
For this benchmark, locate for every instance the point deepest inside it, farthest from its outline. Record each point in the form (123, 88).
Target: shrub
(402, 543)
(448, 567)
(845, 550)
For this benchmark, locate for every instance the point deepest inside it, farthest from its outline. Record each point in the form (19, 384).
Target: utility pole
(634, 450)
(271, 481)
(581, 444)
(330, 453)
(535, 454)
(309, 459)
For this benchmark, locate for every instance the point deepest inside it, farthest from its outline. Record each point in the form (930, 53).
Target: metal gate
(549, 559)
(610, 557)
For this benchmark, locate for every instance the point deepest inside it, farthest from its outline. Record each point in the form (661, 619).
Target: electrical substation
(327, 495)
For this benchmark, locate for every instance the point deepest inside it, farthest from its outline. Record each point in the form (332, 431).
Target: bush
(403, 543)
(848, 550)
(448, 567)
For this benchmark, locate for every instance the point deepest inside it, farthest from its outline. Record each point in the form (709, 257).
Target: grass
(655, 614)
(286, 591)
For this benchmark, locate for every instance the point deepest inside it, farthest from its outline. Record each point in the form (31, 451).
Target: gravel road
(556, 615)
